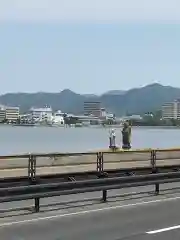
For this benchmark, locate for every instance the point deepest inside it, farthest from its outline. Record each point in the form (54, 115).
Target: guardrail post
(36, 204)
(153, 159)
(157, 188)
(32, 167)
(100, 169)
(154, 169)
(32, 178)
(104, 196)
(100, 162)
(104, 192)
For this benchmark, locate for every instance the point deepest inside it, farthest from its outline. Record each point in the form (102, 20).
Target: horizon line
(68, 89)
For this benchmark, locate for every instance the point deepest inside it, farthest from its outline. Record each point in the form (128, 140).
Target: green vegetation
(71, 120)
(155, 119)
(108, 122)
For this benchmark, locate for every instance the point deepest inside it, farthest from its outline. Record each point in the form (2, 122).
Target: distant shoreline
(91, 126)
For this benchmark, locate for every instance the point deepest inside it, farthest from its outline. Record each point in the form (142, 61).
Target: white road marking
(33, 220)
(163, 230)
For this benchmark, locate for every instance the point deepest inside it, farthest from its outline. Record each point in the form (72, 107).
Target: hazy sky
(89, 46)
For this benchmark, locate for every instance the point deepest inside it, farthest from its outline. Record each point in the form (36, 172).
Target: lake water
(16, 140)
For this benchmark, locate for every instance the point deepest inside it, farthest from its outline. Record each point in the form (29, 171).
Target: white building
(9, 113)
(171, 110)
(106, 115)
(87, 120)
(58, 118)
(132, 117)
(41, 113)
(103, 113)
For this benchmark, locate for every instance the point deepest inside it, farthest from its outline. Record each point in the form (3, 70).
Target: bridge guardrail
(100, 159)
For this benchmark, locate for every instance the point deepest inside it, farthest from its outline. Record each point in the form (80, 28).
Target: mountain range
(133, 101)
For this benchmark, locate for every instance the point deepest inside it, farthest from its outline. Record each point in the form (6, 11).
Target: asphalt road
(128, 217)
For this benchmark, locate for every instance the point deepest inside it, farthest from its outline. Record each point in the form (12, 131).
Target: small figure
(112, 139)
(126, 136)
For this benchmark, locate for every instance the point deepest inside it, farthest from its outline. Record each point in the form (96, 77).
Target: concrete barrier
(168, 154)
(79, 168)
(127, 156)
(91, 157)
(48, 161)
(87, 159)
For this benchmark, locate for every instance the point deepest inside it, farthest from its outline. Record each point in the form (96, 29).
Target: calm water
(52, 139)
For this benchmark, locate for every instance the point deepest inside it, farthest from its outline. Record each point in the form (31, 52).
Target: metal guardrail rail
(75, 176)
(38, 191)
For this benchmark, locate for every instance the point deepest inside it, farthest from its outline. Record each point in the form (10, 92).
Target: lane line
(163, 230)
(33, 220)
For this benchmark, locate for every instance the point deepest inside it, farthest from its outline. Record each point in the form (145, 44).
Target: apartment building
(92, 108)
(2, 113)
(171, 110)
(11, 114)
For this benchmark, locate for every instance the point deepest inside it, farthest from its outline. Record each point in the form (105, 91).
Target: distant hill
(114, 92)
(90, 95)
(138, 100)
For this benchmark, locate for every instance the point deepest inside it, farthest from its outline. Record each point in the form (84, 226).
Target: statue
(112, 139)
(126, 136)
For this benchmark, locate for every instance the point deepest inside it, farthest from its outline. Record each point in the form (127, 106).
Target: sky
(88, 46)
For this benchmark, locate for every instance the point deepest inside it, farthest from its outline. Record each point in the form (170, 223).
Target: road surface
(127, 217)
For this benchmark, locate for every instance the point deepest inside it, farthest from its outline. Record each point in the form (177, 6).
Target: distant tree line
(155, 119)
